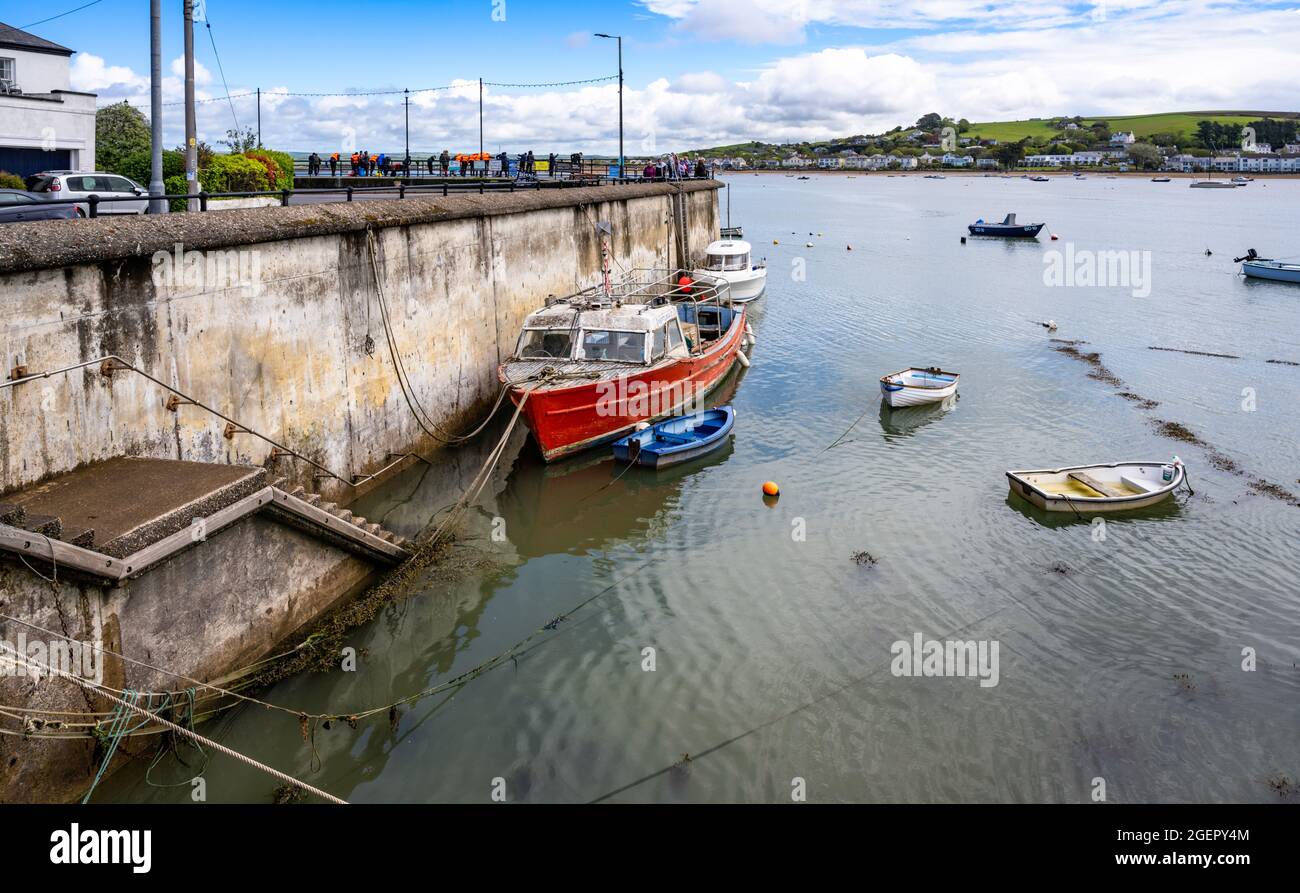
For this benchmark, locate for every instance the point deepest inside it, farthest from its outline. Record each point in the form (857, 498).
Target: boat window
(600, 344)
(545, 343)
(718, 263)
(674, 335)
(660, 344)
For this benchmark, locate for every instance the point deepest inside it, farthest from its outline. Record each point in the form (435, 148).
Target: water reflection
(897, 423)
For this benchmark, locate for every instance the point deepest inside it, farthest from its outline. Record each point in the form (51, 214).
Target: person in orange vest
(334, 165)
(356, 161)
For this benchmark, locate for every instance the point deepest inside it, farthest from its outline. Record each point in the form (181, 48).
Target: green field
(1142, 125)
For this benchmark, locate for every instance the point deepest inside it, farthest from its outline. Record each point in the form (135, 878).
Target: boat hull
(896, 394)
(1283, 273)
(1033, 486)
(568, 420)
(657, 455)
(1019, 231)
(742, 285)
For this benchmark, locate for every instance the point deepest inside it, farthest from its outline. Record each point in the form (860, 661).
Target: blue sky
(699, 72)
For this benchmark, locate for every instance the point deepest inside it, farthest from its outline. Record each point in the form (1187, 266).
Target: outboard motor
(1249, 255)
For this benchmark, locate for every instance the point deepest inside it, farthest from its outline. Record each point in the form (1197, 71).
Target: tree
(1144, 155)
(929, 122)
(121, 130)
(240, 141)
(1008, 154)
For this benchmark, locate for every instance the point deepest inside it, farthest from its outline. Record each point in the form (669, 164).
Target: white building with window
(1123, 138)
(44, 124)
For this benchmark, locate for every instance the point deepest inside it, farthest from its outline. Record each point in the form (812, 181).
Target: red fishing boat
(590, 367)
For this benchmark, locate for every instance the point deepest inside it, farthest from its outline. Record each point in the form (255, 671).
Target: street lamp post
(619, 38)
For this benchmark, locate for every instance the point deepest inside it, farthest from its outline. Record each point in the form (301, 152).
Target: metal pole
(480, 117)
(191, 128)
(406, 162)
(259, 117)
(156, 185)
(620, 108)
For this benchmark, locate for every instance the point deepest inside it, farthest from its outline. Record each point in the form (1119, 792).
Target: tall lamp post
(619, 38)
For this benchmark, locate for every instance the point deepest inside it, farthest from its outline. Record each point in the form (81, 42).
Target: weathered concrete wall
(209, 610)
(287, 337)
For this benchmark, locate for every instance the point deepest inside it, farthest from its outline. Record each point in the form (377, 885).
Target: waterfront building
(44, 123)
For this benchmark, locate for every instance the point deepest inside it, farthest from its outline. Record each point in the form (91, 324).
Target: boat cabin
(727, 256)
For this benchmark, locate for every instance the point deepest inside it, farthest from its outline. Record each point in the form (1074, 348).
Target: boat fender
(744, 360)
(749, 330)
(641, 426)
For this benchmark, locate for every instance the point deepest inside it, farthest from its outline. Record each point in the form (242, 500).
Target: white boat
(1212, 184)
(912, 387)
(1258, 267)
(731, 261)
(1240, 181)
(1117, 487)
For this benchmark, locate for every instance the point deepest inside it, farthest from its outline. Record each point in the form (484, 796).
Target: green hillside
(1183, 123)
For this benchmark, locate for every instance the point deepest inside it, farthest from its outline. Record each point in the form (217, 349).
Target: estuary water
(732, 649)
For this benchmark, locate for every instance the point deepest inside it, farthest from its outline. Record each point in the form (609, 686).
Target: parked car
(17, 205)
(57, 185)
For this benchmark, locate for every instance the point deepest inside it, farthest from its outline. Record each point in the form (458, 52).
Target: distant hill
(1183, 123)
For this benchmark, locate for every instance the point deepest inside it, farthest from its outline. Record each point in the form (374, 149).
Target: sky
(698, 73)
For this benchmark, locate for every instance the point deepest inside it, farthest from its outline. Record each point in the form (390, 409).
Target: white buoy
(744, 360)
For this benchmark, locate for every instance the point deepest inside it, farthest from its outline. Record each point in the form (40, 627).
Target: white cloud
(1139, 59)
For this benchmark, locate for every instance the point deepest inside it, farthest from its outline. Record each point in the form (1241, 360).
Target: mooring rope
(93, 688)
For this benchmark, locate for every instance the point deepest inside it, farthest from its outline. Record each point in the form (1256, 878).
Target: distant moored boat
(1258, 267)
(1007, 228)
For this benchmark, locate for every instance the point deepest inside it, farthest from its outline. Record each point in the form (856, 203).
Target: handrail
(443, 185)
(106, 368)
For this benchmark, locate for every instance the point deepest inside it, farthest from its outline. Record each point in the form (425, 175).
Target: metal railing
(403, 189)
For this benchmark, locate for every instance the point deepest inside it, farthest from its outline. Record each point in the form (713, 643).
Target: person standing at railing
(334, 164)
(356, 162)
(701, 169)
(444, 161)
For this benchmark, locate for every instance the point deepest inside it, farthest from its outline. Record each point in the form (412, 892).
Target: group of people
(671, 167)
(364, 163)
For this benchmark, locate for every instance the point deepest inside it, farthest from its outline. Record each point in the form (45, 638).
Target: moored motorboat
(1240, 181)
(912, 387)
(731, 260)
(590, 367)
(1160, 179)
(1039, 179)
(1212, 184)
(1114, 487)
(677, 439)
(1257, 267)
(1008, 228)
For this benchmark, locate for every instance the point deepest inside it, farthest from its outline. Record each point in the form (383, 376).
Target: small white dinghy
(1117, 487)
(912, 387)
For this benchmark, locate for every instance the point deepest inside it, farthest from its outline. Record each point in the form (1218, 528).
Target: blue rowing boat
(677, 439)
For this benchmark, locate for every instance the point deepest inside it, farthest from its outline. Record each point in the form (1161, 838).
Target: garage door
(32, 161)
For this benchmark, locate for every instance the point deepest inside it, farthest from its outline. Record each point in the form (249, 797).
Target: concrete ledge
(51, 244)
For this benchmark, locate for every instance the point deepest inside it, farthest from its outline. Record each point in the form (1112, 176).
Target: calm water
(773, 652)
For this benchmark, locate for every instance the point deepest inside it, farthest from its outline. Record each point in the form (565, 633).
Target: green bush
(282, 163)
(273, 172)
(139, 166)
(121, 130)
(11, 181)
(234, 173)
(175, 186)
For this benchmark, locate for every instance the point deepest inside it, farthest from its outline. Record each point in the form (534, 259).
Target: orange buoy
(771, 489)
(685, 284)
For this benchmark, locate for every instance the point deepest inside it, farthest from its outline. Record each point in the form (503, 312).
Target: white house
(907, 162)
(953, 160)
(1123, 138)
(44, 124)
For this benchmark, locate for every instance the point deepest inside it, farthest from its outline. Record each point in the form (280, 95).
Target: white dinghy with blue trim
(913, 387)
(1114, 487)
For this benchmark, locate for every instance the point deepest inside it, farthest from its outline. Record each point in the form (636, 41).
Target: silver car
(60, 185)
